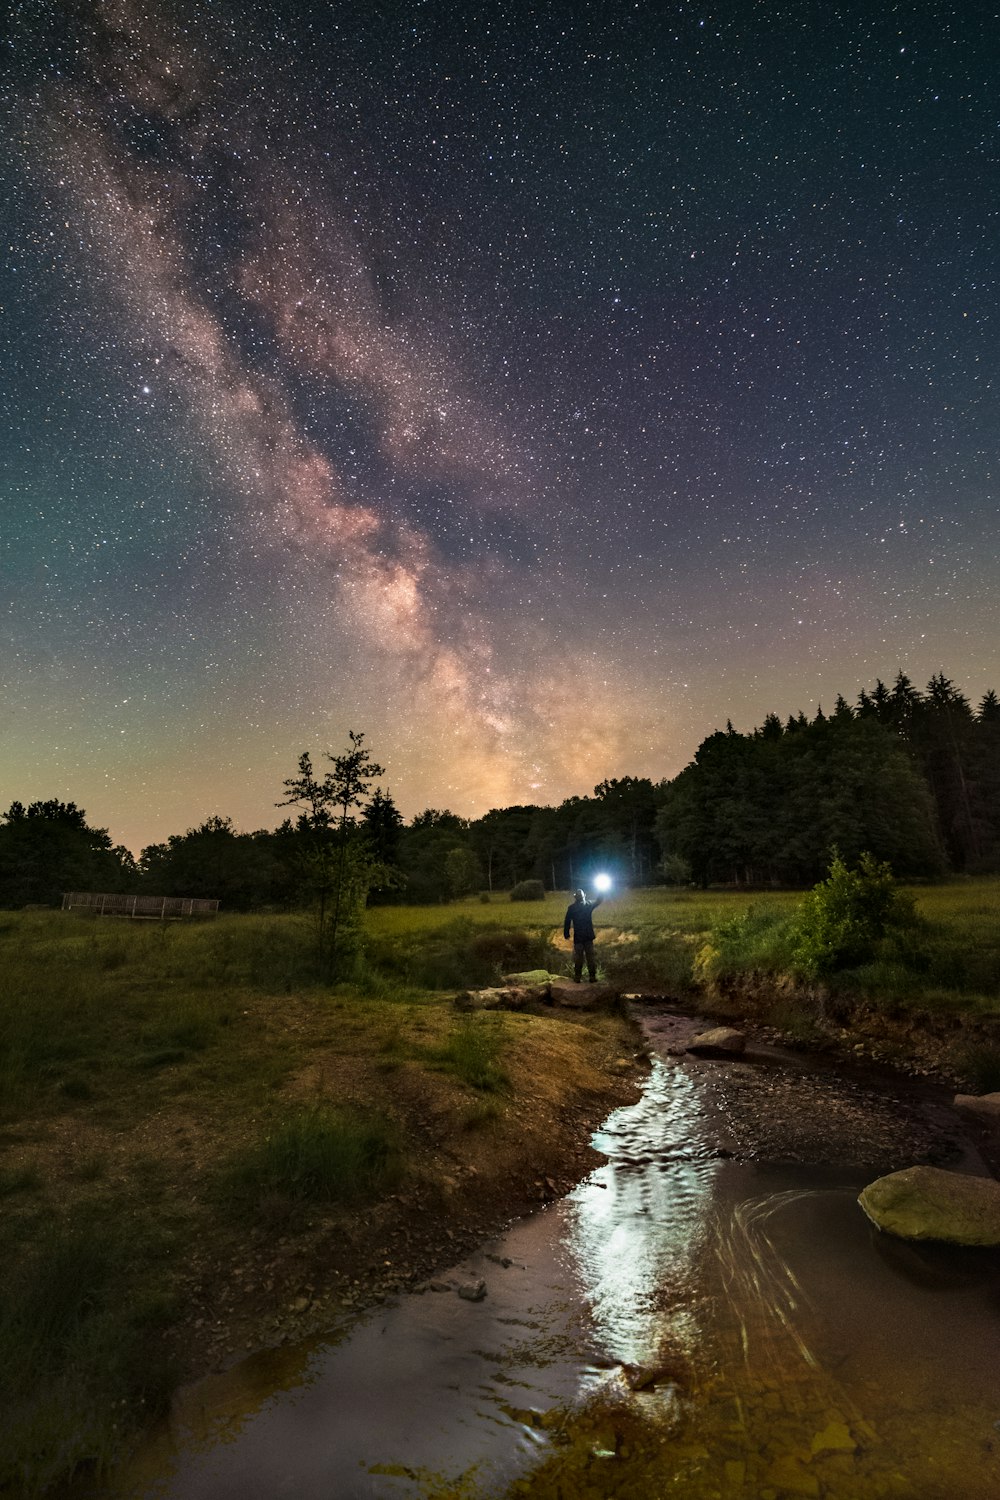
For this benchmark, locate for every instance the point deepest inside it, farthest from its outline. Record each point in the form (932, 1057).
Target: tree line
(912, 777)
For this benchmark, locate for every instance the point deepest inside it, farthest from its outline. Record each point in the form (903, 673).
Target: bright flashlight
(602, 882)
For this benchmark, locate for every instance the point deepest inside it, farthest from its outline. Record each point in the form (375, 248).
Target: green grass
(473, 1052)
(456, 951)
(955, 964)
(314, 1155)
(83, 1003)
(80, 1359)
(952, 963)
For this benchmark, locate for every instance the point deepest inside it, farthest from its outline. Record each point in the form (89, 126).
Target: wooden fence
(149, 908)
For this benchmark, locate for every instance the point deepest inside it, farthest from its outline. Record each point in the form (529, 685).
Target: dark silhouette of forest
(912, 777)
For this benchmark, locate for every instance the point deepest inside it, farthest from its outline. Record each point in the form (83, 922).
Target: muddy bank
(921, 1043)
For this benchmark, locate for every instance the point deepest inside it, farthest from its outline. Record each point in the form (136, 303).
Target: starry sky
(528, 386)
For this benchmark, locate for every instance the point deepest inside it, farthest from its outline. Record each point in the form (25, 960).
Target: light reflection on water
(787, 1349)
(637, 1225)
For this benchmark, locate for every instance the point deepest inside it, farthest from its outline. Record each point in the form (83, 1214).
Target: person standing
(580, 916)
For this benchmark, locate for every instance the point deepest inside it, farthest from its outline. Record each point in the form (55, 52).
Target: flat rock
(927, 1203)
(983, 1106)
(721, 1041)
(533, 977)
(583, 996)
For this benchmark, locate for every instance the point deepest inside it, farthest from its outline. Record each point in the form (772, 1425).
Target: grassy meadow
(169, 1090)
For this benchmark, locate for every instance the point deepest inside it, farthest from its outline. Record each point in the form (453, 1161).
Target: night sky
(531, 387)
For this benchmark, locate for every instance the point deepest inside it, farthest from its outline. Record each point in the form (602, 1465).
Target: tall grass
(314, 1155)
(473, 1052)
(79, 1358)
(83, 1001)
(948, 959)
(458, 952)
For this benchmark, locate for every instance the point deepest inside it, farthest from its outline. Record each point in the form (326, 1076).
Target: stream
(708, 1314)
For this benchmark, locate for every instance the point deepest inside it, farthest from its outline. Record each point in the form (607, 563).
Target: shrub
(506, 951)
(675, 869)
(843, 920)
(528, 890)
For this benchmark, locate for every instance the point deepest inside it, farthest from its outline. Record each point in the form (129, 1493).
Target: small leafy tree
(339, 866)
(844, 918)
(675, 869)
(461, 868)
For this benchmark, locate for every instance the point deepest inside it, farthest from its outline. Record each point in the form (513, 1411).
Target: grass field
(155, 1100)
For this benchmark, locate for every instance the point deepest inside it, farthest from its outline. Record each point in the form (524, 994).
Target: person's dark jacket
(580, 916)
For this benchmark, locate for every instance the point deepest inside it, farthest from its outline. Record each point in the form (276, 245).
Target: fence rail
(152, 908)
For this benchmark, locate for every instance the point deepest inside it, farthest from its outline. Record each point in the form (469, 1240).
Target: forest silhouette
(911, 777)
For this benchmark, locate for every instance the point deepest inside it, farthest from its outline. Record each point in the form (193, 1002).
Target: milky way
(532, 388)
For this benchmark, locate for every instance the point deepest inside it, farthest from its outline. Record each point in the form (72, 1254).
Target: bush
(843, 921)
(528, 890)
(506, 951)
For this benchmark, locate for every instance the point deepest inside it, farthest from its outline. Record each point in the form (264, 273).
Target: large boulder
(926, 1203)
(985, 1107)
(721, 1041)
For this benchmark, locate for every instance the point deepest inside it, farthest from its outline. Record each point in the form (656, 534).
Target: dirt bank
(473, 1164)
(476, 1163)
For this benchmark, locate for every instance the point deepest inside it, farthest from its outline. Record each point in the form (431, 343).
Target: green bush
(508, 950)
(843, 920)
(79, 1356)
(528, 890)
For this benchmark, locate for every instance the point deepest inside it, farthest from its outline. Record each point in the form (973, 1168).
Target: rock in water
(721, 1040)
(985, 1107)
(926, 1203)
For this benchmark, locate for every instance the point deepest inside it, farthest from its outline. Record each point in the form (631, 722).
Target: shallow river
(684, 1323)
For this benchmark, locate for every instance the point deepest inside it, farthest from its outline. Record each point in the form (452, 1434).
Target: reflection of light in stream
(638, 1223)
(763, 1290)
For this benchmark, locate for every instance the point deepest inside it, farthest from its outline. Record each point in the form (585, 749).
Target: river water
(686, 1322)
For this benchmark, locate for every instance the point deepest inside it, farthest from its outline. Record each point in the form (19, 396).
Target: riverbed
(708, 1314)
